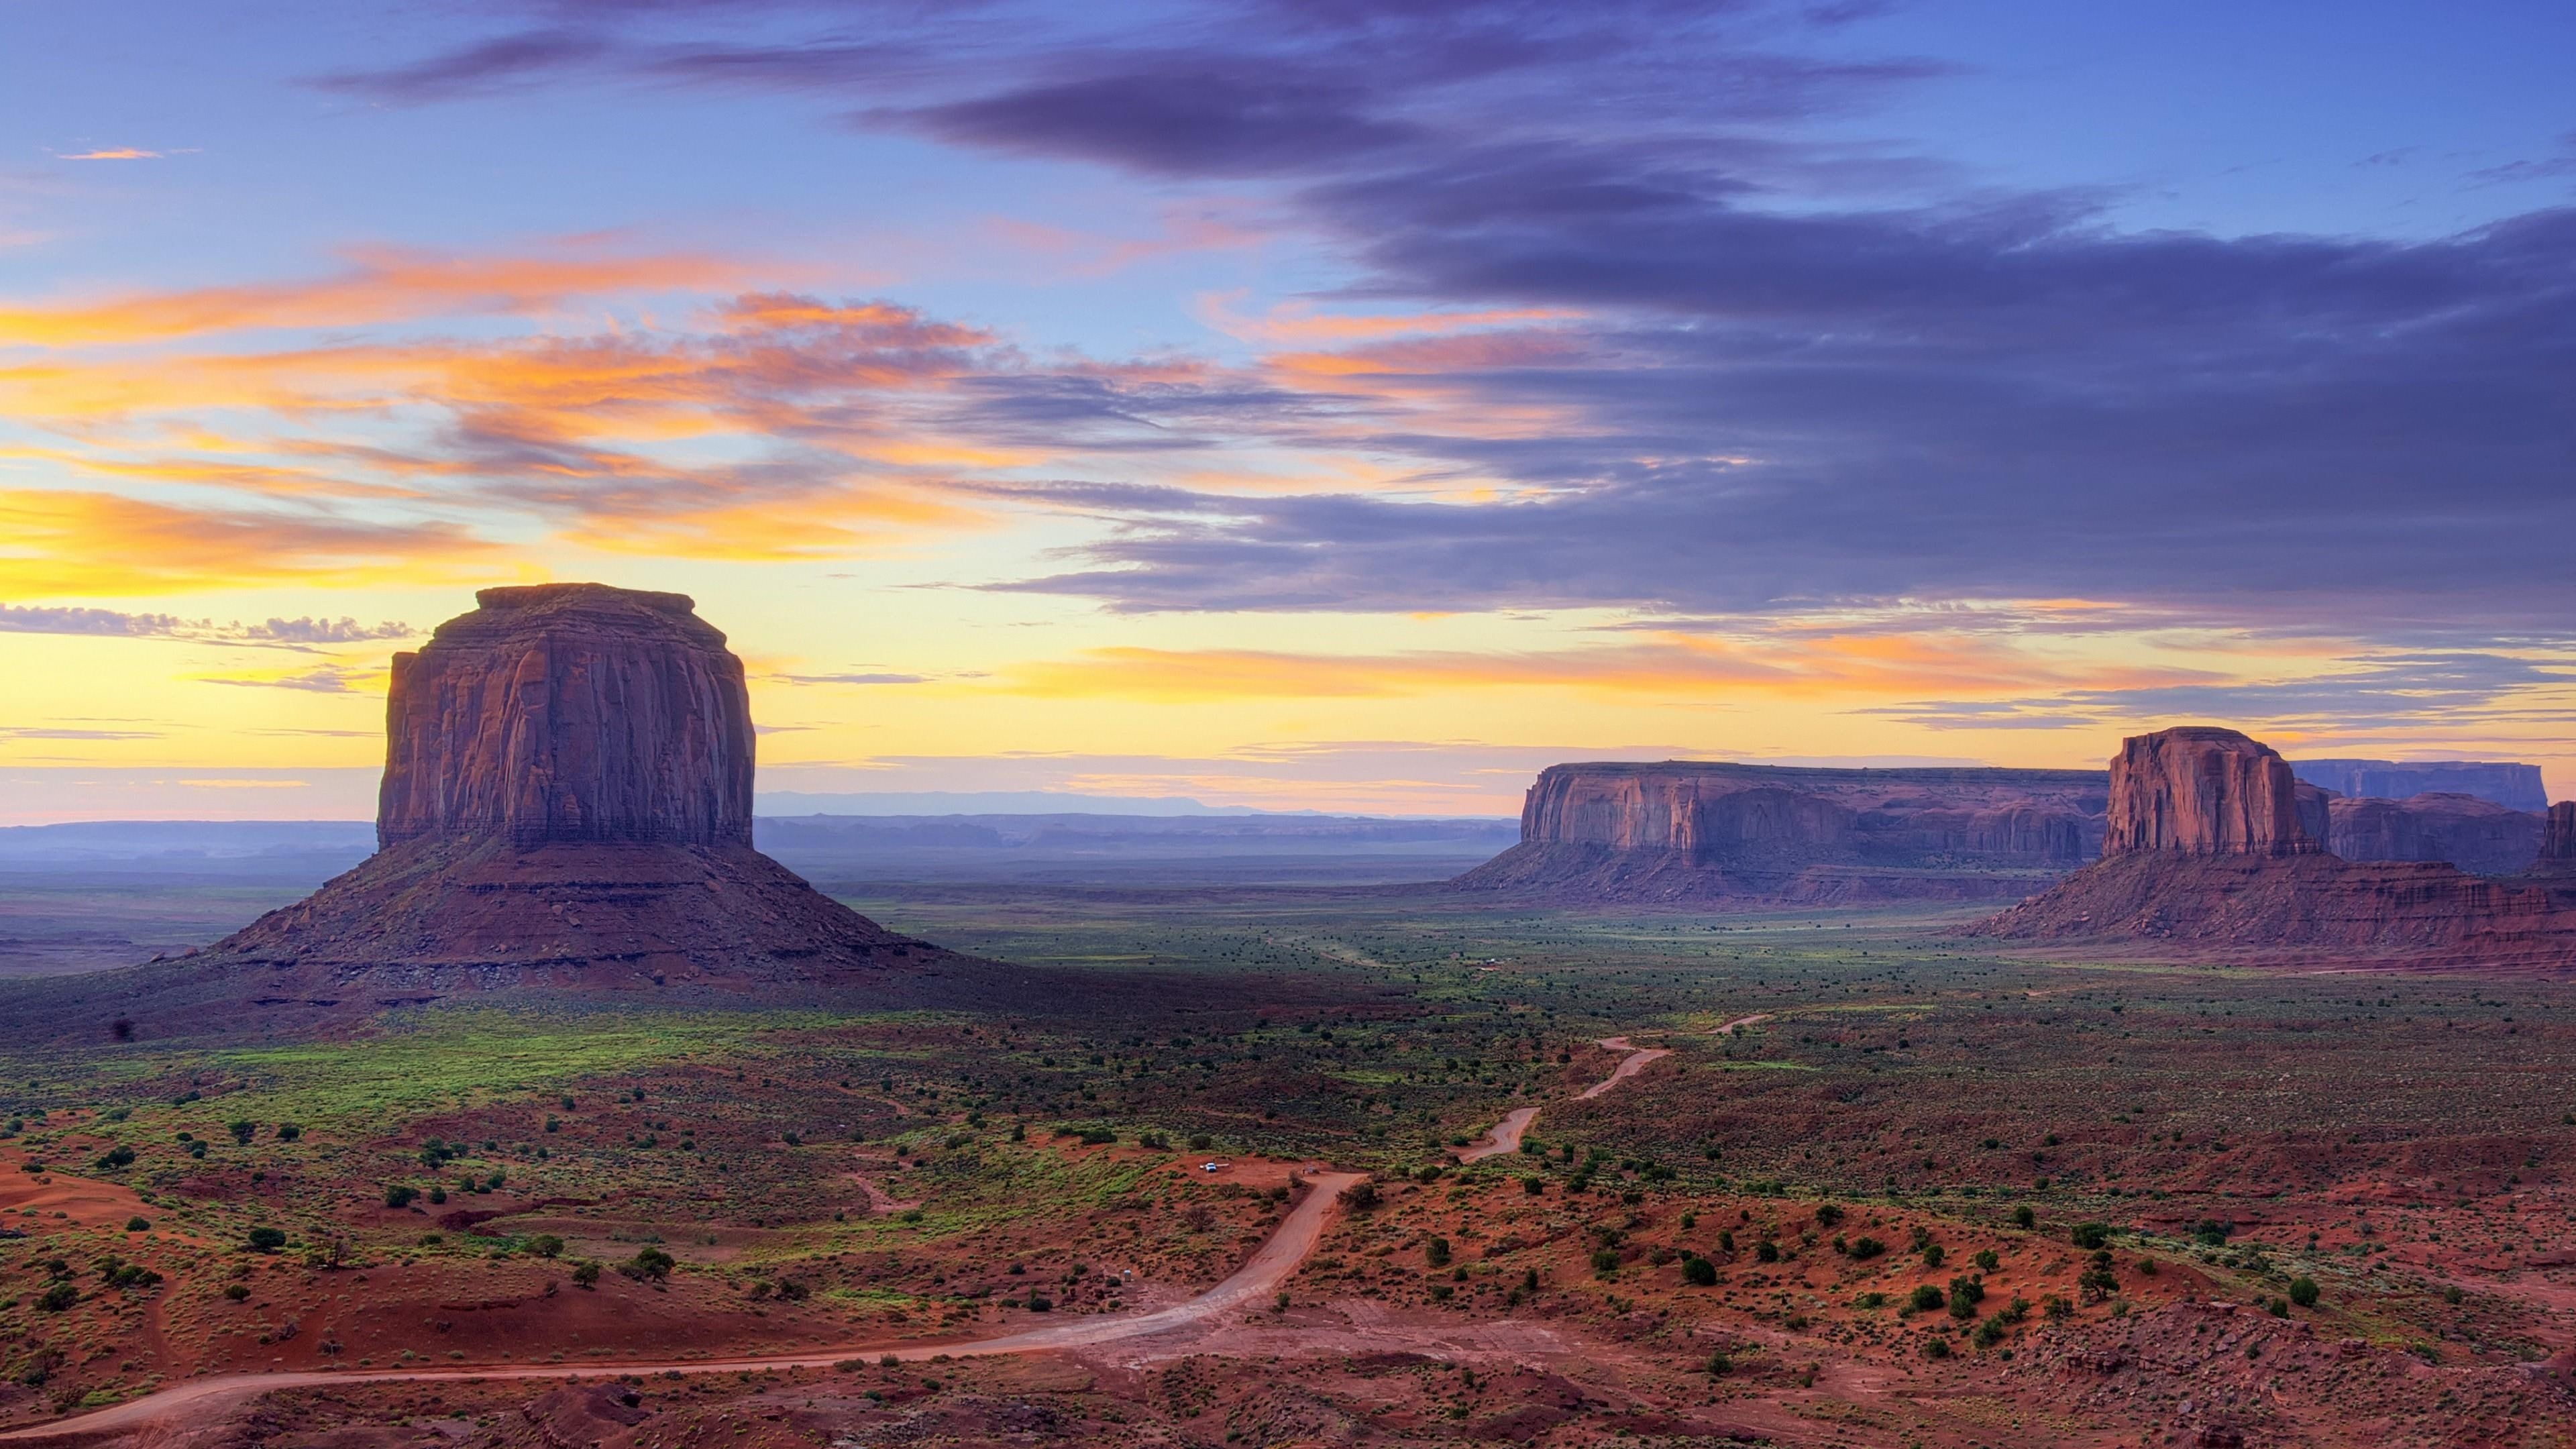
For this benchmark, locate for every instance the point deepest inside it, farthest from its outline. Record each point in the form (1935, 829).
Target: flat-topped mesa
(569, 713)
(2508, 783)
(2204, 790)
(2478, 836)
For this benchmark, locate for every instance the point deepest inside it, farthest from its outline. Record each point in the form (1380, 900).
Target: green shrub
(138, 1225)
(266, 1240)
(2023, 1217)
(1699, 1272)
(1925, 1298)
(546, 1245)
(2303, 1291)
(1605, 1260)
(1436, 1252)
(648, 1263)
(1865, 1248)
(400, 1195)
(58, 1298)
(2090, 1235)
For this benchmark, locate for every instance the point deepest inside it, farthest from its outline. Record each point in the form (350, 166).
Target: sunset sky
(1299, 405)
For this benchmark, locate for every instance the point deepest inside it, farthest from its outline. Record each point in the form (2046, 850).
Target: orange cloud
(120, 153)
(69, 544)
(382, 285)
(1861, 666)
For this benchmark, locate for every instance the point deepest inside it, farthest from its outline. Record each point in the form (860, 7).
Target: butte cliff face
(569, 712)
(566, 806)
(1685, 830)
(2201, 790)
(2212, 847)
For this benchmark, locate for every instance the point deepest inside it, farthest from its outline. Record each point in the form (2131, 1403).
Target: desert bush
(2089, 1235)
(546, 1245)
(2303, 1291)
(266, 1240)
(648, 1263)
(400, 1195)
(1361, 1195)
(1436, 1252)
(1699, 1272)
(1925, 1298)
(1828, 1214)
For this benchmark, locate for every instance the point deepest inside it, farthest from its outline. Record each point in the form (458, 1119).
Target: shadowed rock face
(2202, 790)
(569, 712)
(2476, 835)
(2558, 839)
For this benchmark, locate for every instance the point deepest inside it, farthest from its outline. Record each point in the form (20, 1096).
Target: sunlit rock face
(569, 713)
(2202, 790)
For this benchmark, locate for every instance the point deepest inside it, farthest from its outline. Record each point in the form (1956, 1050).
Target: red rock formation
(566, 805)
(1702, 831)
(2478, 836)
(2209, 850)
(2558, 839)
(569, 712)
(2202, 790)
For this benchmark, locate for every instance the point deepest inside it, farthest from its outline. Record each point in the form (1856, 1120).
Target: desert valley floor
(1884, 1186)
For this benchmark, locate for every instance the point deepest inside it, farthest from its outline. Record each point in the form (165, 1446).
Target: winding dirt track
(1268, 1267)
(1505, 1136)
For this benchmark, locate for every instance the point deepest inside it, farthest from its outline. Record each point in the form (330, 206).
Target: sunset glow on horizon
(1288, 406)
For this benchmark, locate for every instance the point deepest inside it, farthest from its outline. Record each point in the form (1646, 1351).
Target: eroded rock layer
(1684, 830)
(569, 712)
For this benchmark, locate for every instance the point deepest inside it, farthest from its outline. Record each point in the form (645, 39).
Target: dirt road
(1261, 1274)
(1505, 1136)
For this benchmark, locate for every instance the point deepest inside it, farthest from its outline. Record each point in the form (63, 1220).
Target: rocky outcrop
(2558, 842)
(2479, 836)
(2513, 786)
(2211, 848)
(2202, 790)
(569, 712)
(566, 806)
(1685, 830)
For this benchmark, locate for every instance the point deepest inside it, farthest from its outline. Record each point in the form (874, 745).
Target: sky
(1293, 403)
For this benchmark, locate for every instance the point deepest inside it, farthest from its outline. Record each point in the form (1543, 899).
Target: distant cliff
(1694, 830)
(2478, 836)
(2515, 787)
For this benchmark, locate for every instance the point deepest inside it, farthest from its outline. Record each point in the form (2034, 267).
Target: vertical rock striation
(569, 712)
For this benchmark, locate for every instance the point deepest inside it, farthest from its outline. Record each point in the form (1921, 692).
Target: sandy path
(1505, 1136)
(1268, 1267)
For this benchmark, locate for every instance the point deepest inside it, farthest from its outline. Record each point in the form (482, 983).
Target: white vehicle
(1214, 1166)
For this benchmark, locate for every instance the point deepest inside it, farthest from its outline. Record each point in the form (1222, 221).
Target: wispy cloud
(113, 153)
(113, 623)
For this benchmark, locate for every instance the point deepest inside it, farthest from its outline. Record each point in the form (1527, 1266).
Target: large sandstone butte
(2201, 790)
(2210, 850)
(569, 712)
(2558, 842)
(1714, 832)
(566, 805)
